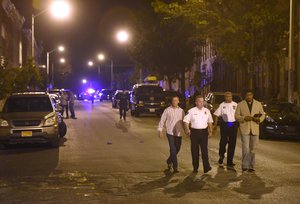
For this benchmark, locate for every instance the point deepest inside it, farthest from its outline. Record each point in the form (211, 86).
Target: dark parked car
(116, 97)
(282, 120)
(147, 98)
(31, 118)
(170, 94)
(214, 99)
(106, 94)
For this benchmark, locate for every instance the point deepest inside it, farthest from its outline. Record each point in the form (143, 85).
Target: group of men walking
(199, 125)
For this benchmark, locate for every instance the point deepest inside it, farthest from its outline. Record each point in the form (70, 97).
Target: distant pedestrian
(123, 105)
(65, 103)
(71, 104)
(172, 118)
(201, 122)
(228, 128)
(249, 113)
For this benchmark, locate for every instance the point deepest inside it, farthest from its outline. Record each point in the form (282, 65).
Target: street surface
(104, 160)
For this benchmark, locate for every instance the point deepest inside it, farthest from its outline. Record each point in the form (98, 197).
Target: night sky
(89, 30)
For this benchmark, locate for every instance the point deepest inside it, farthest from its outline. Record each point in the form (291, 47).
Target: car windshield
(106, 92)
(28, 104)
(282, 108)
(220, 98)
(149, 90)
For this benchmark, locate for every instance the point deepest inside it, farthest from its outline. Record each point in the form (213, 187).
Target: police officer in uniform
(228, 128)
(200, 120)
(123, 105)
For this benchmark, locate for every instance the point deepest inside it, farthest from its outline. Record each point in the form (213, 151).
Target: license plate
(26, 133)
(152, 110)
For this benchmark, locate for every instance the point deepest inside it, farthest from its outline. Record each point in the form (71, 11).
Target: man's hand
(248, 118)
(215, 127)
(210, 134)
(160, 134)
(187, 132)
(256, 119)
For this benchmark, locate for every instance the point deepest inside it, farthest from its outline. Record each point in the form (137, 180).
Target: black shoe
(74, 118)
(169, 166)
(230, 164)
(220, 162)
(208, 170)
(244, 169)
(175, 171)
(251, 170)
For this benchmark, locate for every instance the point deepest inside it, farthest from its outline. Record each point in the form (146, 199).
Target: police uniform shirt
(226, 111)
(198, 118)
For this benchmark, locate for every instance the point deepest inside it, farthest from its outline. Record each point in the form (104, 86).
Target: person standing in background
(65, 103)
(71, 104)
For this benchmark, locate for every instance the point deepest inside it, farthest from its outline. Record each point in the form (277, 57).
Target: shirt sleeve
(210, 119)
(218, 112)
(187, 118)
(162, 120)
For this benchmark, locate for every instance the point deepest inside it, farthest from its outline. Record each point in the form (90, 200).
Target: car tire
(62, 129)
(55, 143)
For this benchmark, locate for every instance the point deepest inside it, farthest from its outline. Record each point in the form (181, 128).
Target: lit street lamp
(59, 9)
(90, 63)
(62, 60)
(84, 81)
(122, 36)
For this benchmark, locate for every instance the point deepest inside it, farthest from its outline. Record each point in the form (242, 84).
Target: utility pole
(291, 60)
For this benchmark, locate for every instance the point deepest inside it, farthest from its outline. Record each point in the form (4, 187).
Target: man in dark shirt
(123, 105)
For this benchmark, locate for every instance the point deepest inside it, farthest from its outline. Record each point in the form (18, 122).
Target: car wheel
(62, 129)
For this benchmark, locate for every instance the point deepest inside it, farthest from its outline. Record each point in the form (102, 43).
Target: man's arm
(210, 129)
(162, 123)
(187, 128)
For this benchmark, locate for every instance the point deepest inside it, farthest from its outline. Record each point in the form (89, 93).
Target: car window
(149, 90)
(28, 104)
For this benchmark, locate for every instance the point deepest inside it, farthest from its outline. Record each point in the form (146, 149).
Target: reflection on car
(282, 120)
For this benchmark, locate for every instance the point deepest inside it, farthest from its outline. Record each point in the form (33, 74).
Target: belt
(199, 130)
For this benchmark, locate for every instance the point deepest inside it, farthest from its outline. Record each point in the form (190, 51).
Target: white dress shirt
(198, 118)
(226, 111)
(172, 118)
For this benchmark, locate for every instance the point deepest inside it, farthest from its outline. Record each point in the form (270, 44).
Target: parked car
(282, 120)
(170, 94)
(31, 118)
(116, 97)
(147, 98)
(106, 94)
(214, 99)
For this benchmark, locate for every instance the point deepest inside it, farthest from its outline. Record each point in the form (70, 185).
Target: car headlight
(3, 123)
(269, 119)
(162, 103)
(50, 121)
(141, 102)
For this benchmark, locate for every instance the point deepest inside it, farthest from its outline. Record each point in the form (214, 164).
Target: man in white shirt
(228, 128)
(172, 117)
(200, 120)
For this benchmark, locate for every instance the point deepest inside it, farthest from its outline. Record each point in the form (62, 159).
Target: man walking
(200, 120)
(71, 104)
(123, 105)
(228, 128)
(172, 117)
(249, 113)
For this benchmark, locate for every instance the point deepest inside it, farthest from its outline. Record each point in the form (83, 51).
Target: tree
(163, 45)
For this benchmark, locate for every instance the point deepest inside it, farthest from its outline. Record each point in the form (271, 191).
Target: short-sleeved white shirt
(198, 118)
(226, 111)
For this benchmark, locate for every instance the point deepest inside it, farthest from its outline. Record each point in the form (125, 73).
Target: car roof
(29, 94)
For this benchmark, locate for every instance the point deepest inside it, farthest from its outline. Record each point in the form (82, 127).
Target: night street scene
(149, 101)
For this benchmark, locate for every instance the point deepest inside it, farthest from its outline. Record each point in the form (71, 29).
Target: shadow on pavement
(253, 185)
(144, 187)
(123, 125)
(189, 185)
(224, 177)
(28, 160)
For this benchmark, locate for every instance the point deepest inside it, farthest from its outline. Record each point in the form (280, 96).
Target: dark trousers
(72, 110)
(228, 136)
(199, 138)
(122, 112)
(66, 109)
(175, 144)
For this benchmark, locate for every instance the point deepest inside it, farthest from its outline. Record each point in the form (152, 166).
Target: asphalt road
(103, 160)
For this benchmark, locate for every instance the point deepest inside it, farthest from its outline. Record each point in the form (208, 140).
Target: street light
(59, 9)
(101, 57)
(90, 63)
(84, 81)
(60, 49)
(122, 36)
(62, 60)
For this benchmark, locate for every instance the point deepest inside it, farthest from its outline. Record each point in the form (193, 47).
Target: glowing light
(84, 81)
(60, 9)
(61, 48)
(90, 63)
(62, 60)
(122, 36)
(101, 57)
(91, 91)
